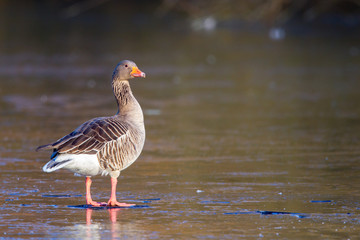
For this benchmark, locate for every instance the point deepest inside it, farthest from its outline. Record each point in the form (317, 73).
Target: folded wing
(90, 137)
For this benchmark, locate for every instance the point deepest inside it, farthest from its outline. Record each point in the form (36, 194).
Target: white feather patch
(82, 164)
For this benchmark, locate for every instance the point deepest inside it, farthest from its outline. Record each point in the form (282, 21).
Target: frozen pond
(246, 137)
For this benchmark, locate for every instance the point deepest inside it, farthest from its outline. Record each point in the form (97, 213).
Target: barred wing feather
(90, 137)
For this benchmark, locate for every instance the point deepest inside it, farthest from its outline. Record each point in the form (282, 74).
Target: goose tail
(55, 164)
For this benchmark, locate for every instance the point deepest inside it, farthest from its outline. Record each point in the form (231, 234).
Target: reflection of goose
(112, 215)
(102, 224)
(104, 145)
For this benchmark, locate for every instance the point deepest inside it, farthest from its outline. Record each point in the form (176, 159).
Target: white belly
(83, 164)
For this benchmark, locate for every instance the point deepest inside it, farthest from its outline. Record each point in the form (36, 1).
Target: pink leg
(89, 201)
(112, 201)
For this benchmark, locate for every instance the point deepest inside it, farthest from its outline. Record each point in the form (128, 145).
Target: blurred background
(103, 26)
(249, 106)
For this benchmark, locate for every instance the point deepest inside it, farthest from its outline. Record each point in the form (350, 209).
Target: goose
(104, 145)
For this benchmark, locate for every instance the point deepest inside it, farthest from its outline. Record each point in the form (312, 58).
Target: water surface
(246, 137)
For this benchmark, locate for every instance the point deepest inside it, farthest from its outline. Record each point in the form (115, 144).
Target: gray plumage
(104, 145)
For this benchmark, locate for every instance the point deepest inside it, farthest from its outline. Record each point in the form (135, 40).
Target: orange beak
(137, 73)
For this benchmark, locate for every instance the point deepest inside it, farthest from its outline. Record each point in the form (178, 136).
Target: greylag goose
(104, 145)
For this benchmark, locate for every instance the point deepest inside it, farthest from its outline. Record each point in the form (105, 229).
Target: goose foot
(96, 204)
(114, 203)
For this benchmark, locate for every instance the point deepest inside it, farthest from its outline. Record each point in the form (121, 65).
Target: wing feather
(90, 137)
